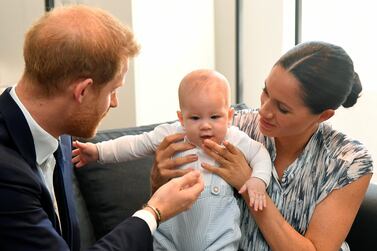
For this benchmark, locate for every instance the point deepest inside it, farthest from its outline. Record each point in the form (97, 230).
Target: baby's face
(205, 116)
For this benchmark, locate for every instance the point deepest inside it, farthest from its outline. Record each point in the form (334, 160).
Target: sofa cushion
(113, 192)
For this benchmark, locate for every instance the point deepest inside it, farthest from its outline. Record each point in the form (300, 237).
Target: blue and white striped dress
(329, 161)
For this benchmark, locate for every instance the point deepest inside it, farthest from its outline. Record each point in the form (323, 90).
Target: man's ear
(180, 117)
(230, 115)
(326, 114)
(81, 89)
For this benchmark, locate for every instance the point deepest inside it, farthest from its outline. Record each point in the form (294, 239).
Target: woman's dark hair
(326, 74)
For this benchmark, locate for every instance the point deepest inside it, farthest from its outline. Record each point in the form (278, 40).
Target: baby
(205, 113)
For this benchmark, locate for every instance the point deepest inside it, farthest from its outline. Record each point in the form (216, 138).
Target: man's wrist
(156, 212)
(149, 217)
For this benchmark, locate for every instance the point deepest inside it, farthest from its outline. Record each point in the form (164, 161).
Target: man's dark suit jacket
(27, 217)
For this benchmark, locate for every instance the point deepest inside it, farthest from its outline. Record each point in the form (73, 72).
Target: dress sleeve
(349, 162)
(360, 163)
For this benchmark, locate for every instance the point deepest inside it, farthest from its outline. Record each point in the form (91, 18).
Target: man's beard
(85, 125)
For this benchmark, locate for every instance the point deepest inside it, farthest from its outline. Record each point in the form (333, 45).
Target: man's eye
(264, 91)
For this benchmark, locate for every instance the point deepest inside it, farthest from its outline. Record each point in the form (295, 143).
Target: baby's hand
(84, 153)
(256, 189)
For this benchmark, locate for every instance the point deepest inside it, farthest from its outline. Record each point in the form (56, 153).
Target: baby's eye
(194, 117)
(215, 116)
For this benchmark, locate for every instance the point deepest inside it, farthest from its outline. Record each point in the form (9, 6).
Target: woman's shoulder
(340, 146)
(245, 118)
(340, 159)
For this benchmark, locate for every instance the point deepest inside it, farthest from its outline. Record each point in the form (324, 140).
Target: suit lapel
(18, 128)
(22, 139)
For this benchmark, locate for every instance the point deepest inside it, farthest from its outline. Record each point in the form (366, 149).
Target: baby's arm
(84, 153)
(124, 148)
(121, 149)
(256, 189)
(260, 177)
(259, 159)
(130, 147)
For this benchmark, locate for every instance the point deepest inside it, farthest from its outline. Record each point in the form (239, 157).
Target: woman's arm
(329, 224)
(333, 217)
(328, 227)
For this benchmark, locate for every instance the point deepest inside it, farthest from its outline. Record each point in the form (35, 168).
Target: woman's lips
(265, 124)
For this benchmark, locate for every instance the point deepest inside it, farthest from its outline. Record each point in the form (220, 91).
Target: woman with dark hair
(320, 175)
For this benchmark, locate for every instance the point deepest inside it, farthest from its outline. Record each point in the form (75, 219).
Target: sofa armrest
(363, 234)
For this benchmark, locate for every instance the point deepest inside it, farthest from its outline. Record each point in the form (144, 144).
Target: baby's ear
(230, 115)
(180, 117)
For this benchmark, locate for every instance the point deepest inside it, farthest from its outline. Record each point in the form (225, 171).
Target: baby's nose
(205, 126)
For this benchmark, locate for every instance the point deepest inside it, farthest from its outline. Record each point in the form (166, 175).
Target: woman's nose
(265, 109)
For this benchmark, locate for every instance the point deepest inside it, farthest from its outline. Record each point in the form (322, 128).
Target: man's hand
(84, 153)
(164, 166)
(177, 195)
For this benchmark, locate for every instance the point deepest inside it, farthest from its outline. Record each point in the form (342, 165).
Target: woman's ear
(180, 118)
(81, 89)
(326, 114)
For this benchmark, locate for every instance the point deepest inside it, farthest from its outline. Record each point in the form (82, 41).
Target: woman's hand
(164, 166)
(233, 166)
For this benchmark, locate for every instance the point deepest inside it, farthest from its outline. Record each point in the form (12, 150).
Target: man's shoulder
(10, 158)
(15, 169)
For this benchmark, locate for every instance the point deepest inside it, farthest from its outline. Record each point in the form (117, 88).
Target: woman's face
(283, 112)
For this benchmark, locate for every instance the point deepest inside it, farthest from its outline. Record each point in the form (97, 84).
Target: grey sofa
(107, 194)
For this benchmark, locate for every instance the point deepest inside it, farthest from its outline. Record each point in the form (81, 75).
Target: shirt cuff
(148, 217)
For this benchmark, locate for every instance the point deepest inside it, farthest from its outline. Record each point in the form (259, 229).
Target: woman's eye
(282, 109)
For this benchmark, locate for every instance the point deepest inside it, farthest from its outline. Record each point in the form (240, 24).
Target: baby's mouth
(206, 137)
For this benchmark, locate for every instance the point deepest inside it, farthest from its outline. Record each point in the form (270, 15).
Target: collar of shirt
(45, 144)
